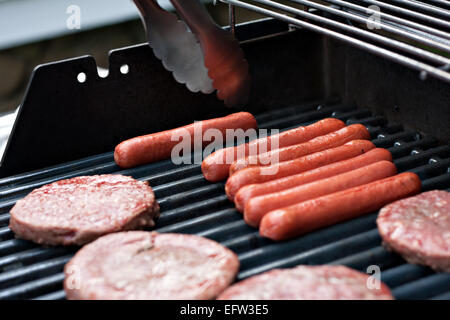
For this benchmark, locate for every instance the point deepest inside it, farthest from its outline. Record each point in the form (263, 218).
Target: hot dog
(158, 146)
(254, 190)
(331, 140)
(257, 207)
(283, 169)
(216, 168)
(320, 212)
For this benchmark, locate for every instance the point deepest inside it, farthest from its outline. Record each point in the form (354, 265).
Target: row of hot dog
(313, 176)
(325, 173)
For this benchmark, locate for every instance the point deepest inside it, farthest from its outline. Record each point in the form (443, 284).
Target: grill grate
(410, 32)
(189, 204)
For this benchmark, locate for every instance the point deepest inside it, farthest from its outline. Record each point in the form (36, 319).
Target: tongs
(198, 52)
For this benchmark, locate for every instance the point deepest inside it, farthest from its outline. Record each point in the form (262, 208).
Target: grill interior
(189, 204)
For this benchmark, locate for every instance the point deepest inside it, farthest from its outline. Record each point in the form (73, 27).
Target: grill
(189, 204)
(298, 77)
(408, 27)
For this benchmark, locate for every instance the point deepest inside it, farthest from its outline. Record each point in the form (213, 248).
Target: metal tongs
(199, 53)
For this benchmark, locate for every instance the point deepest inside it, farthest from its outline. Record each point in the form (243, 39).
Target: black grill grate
(189, 204)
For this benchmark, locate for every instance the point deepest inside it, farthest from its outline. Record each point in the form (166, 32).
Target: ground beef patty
(307, 283)
(79, 210)
(141, 265)
(419, 229)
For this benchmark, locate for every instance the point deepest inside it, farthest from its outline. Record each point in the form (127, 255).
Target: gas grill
(298, 77)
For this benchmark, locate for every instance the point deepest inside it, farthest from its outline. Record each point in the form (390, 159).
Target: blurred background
(33, 32)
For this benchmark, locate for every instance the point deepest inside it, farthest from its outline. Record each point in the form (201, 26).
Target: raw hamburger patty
(79, 210)
(307, 283)
(419, 229)
(149, 266)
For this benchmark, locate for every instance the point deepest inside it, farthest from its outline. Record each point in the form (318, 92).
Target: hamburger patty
(81, 209)
(307, 283)
(141, 265)
(419, 229)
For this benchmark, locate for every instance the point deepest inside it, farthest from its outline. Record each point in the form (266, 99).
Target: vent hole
(81, 77)
(102, 72)
(124, 69)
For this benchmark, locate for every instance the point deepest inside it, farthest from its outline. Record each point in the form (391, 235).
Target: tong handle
(223, 56)
(195, 15)
(149, 9)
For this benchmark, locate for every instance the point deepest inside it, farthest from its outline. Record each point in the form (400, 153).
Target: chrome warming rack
(413, 33)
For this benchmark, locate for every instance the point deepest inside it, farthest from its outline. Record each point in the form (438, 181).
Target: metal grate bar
(357, 18)
(321, 255)
(424, 288)
(444, 3)
(58, 295)
(313, 240)
(399, 36)
(373, 256)
(444, 296)
(404, 274)
(410, 13)
(368, 12)
(35, 287)
(369, 35)
(424, 7)
(55, 170)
